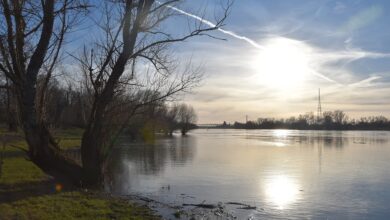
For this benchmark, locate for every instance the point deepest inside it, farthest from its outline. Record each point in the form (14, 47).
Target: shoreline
(28, 193)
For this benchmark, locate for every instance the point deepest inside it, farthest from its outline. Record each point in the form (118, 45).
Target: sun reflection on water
(280, 133)
(281, 191)
(280, 136)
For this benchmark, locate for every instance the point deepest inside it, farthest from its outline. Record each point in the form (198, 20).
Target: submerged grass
(28, 193)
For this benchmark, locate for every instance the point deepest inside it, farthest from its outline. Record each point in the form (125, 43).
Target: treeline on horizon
(330, 120)
(68, 107)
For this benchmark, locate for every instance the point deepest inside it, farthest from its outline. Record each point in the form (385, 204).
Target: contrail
(365, 82)
(211, 24)
(235, 35)
(325, 77)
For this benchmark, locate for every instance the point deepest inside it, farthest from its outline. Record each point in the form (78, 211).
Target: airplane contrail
(365, 82)
(325, 77)
(235, 35)
(211, 24)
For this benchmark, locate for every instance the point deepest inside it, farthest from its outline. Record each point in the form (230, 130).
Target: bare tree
(339, 117)
(172, 118)
(132, 36)
(31, 38)
(187, 118)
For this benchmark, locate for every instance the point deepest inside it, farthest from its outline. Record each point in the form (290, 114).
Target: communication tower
(319, 110)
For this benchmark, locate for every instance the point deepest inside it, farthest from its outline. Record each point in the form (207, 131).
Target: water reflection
(329, 139)
(130, 161)
(281, 191)
(315, 175)
(281, 133)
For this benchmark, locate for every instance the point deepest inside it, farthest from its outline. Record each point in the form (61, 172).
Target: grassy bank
(27, 193)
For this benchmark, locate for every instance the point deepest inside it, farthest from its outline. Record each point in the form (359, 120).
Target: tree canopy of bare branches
(131, 57)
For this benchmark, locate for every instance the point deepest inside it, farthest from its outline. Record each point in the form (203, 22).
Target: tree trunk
(12, 122)
(91, 143)
(43, 150)
(11, 113)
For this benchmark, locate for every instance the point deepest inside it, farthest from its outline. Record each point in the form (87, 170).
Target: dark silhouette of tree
(328, 119)
(139, 40)
(172, 117)
(31, 40)
(186, 118)
(339, 117)
(8, 102)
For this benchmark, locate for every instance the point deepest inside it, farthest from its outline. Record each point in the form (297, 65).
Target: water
(283, 173)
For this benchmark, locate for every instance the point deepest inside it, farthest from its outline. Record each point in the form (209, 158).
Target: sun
(283, 63)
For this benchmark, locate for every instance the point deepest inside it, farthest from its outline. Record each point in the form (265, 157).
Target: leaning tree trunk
(24, 49)
(42, 148)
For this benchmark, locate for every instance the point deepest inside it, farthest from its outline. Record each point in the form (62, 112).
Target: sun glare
(283, 63)
(281, 133)
(281, 190)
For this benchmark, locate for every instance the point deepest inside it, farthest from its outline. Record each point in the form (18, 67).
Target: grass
(28, 193)
(73, 205)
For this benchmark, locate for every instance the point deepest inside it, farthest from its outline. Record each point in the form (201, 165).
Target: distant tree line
(330, 120)
(161, 119)
(69, 106)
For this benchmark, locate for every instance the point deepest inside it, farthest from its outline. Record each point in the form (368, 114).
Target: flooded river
(259, 174)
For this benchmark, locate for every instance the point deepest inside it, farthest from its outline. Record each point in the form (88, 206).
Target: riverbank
(27, 193)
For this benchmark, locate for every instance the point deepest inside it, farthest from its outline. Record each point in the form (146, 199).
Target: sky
(281, 52)
(278, 53)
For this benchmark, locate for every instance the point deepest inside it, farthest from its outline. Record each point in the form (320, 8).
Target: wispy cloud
(235, 35)
(355, 22)
(338, 60)
(339, 7)
(366, 82)
(363, 18)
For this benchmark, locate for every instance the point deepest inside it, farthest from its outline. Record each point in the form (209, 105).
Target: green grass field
(27, 193)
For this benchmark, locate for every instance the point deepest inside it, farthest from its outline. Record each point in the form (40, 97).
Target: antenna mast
(319, 110)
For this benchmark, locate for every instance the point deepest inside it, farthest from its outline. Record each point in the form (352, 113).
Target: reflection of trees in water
(152, 159)
(130, 161)
(330, 141)
(338, 140)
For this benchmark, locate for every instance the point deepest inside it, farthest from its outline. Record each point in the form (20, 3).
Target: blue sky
(344, 46)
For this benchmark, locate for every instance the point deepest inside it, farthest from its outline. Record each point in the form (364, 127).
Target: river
(259, 174)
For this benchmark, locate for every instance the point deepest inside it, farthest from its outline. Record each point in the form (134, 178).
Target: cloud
(233, 88)
(363, 18)
(235, 35)
(358, 21)
(339, 7)
(250, 94)
(332, 64)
